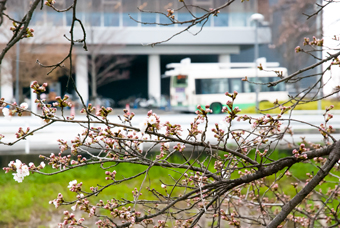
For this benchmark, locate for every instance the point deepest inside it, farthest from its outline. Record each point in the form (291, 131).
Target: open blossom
(11, 163)
(143, 126)
(140, 147)
(167, 145)
(72, 183)
(152, 120)
(22, 170)
(6, 113)
(24, 106)
(17, 163)
(74, 207)
(18, 178)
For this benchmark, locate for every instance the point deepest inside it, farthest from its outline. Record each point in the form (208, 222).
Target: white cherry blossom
(143, 126)
(17, 163)
(71, 183)
(152, 120)
(74, 207)
(11, 163)
(167, 144)
(24, 105)
(17, 178)
(6, 113)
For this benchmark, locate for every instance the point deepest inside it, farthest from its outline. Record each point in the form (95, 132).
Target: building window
(112, 10)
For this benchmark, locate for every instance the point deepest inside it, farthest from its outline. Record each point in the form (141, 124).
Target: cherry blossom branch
(19, 33)
(322, 173)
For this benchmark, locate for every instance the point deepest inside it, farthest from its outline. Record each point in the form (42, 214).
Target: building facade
(112, 29)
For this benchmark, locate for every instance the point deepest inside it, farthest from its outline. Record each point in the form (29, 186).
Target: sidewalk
(45, 140)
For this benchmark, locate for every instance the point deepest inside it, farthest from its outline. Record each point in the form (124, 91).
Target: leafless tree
(292, 30)
(106, 68)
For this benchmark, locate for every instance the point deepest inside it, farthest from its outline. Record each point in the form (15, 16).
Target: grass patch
(20, 201)
(309, 106)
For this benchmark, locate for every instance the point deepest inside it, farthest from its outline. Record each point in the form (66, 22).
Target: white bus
(193, 84)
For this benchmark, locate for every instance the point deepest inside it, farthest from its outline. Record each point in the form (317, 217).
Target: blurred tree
(293, 27)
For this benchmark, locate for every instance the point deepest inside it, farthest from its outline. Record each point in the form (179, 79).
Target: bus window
(236, 85)
(180, 81)
(280, 87)
(264, 88)
(211, 85)
(248, 87)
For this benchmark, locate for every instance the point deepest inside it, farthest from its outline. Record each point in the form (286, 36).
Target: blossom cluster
(71, 220)
(121, 142)
(28, 33)
(324, 128)
(38, 89)
(152, 122)
(49, 2)
(21, 169)
(231, 218)
(8, 112)
(62, 102)
(300, 153)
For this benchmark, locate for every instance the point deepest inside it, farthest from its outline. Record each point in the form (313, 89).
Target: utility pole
(257, 18)
(17, 73)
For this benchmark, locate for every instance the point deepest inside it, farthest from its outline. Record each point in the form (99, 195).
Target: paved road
(45, 140)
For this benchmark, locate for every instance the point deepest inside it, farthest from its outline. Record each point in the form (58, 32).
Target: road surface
(45, 141)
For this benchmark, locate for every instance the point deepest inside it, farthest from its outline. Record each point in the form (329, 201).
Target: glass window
(183, 14)
(164, 6)
(265, 88)
(240, 12)
(112, 10)
(211, 86)
(249, 87)
(262, 88)
(93, 18)
(69, 16)
(236, 85)
(149, 17)
(38, 18)
(222, 19)
(92, 13)
(203, 6)
(130, 8)
(279, 87)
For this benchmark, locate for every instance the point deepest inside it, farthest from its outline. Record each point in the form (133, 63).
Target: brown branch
(286, 79)
(17, 36)
(333, 158)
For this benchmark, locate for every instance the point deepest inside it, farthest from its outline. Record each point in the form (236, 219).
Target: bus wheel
(216, 108)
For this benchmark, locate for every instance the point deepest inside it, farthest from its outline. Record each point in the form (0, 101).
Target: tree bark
(333, 158)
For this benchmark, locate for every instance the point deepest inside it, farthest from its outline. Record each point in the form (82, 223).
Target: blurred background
(118, 70)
